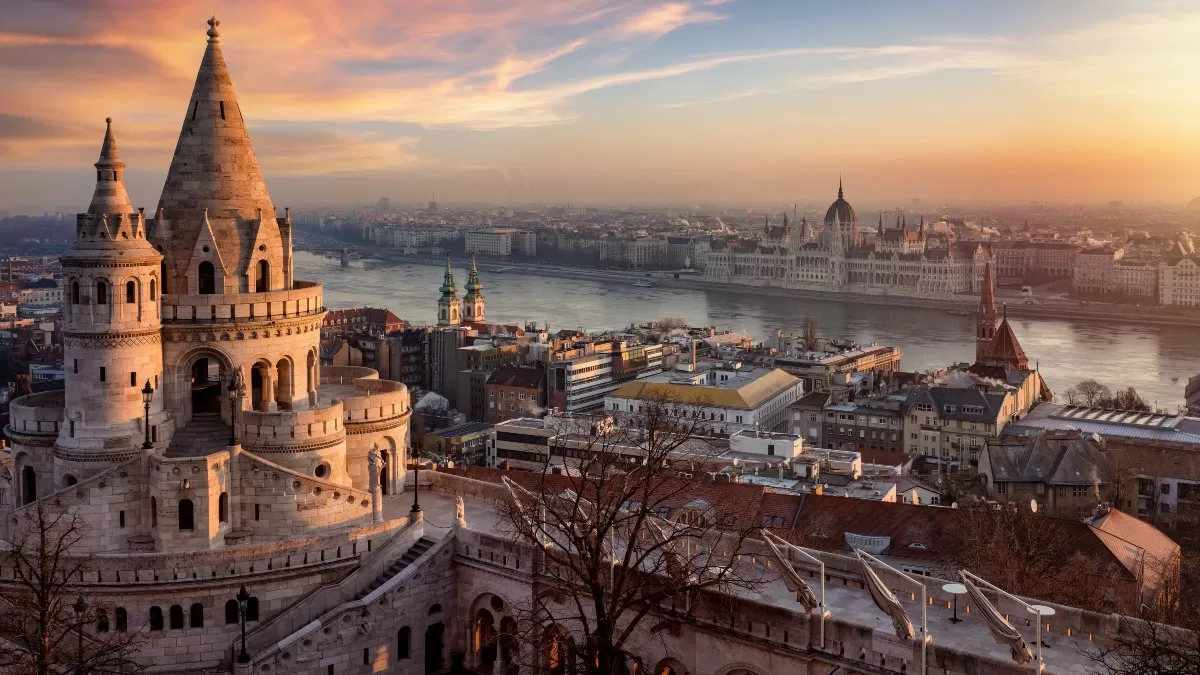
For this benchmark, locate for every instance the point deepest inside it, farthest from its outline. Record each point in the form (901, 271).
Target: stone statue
(460, 513)
(373, 459)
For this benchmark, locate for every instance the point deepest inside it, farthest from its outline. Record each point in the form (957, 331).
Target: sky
(740, 102)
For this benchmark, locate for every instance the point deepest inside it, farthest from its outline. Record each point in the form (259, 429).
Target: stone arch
(738, 668)
(200, 383)
(392, 466)
(261, 386)
(284, 387)
(483, 640)
(557, 651)
(74, 292)
(29, 492)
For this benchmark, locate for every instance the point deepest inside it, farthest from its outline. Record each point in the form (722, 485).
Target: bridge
(344, 250)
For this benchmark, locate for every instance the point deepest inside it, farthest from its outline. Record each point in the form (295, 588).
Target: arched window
(130, 292)
(162, 272)
(252, 609)
(122, 620)
(231, 612)
(186, 515)
(28, 485)
(197, 615)
(263, 281)
(176, 617)
(101, 621)
(70, 480)
(156, 618)
(404, 643)
(101, 293)
(153, 289)
(223, 507)
(154, 512)
(206, 278)
(74, 292)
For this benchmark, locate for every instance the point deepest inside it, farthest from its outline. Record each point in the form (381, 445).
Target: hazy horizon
(622, 102)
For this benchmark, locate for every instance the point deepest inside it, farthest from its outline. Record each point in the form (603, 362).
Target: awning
(1002, 631)
(886, 600)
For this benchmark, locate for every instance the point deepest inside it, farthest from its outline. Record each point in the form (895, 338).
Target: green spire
(449, 291)
(474, 288)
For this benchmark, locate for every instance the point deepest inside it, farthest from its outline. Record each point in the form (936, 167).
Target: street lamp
(147, 396)
(237, 389)
(243, 599)
(79, 608)
(416, 507)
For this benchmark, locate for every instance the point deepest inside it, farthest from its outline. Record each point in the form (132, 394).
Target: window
(156, 618)
(197, 615)
(186, 515)
(262, 282)
(122, 520)
(101, 293)
(366, 656)
(152, 289)
(122, 620)
(176, 615)
(223, 508)
(74, 292)
(770, 449)
(130, 292)
(133, 379)
(103, 374)
(252, 609)
(75, 366)
(206, 278)
(256, 511)
(1002, 488)
(404, 643)
(231, 612)
(154, 512)
(101, 621)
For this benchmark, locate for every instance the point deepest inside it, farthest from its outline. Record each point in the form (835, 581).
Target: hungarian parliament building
(902, 260)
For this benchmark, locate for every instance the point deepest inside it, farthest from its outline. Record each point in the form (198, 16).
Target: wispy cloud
(662, 19)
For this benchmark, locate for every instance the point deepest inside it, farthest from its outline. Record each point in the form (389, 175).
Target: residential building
(514, 392)
(462, 444)
(1179, 281)
(874, 425)
(1065, 471)
(817, 368)
(808, 414)
(501, 242)
(581, 374)
(727, 396)
(766, 444)
(1094, 270)
(371, 320)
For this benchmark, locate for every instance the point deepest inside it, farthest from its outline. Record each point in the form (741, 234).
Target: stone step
(415, 551)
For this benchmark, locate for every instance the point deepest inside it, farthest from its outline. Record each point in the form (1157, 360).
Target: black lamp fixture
(147, 397)
(416, 507)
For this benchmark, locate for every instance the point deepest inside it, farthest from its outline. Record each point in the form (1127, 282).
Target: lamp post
(147, 396)
(79, 608)
(243, 598)
(237, 389)
(416, 507)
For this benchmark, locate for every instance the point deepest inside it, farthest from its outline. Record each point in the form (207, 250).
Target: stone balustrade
(305, 299)
(290, 430)
(37, 414)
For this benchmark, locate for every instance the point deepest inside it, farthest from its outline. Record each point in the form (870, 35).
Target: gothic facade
(901, 260)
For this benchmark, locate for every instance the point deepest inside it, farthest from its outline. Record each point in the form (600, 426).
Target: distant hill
(1194, 204)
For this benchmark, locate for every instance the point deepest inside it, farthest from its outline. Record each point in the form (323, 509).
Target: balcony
(305, 299)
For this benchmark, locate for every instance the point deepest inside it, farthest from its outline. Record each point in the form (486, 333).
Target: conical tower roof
(1006, 349)
(987, 295)
(448, 289)
(110, 195)
(474, 288)
(214, 168)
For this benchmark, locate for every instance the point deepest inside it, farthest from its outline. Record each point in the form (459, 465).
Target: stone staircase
(415, 551)
(204, 434)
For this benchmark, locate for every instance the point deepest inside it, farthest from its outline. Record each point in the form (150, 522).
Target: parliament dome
(840, 209)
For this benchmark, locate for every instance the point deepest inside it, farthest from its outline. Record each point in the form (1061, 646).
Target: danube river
(1156, 360)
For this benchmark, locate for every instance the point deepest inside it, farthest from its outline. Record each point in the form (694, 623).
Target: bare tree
(1026, 554)
(811, 334)
(629, 545)
(47, 624)
(671, 323)
(1088, 392)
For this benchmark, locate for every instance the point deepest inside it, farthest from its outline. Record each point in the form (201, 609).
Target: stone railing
(326, 504)
(305, 299)
(290, 624)
(347, 374)
(37, 414)
(375, 400)
(286, 430)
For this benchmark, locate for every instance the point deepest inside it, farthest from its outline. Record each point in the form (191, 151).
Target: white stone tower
(473, 302)
(449, 306)
(111, 330)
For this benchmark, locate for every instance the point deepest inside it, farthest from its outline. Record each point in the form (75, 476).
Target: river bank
(1100, 313)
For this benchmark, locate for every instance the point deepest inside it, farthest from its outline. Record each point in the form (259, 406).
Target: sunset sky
(620, 101)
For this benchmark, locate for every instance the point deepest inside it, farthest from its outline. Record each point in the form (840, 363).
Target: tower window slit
(222, 103)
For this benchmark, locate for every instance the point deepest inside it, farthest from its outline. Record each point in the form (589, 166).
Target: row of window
(175, 616)
(102, 295)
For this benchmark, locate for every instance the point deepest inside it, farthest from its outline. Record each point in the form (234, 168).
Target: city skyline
(623, 102)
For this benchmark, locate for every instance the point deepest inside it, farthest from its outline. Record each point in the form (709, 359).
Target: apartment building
(581, 374)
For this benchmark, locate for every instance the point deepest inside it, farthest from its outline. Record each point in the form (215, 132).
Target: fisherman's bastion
(208, 451)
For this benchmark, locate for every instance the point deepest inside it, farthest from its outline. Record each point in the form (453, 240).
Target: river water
(1156, 360)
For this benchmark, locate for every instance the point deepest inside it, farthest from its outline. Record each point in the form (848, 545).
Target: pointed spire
(474, 288)
(840, 186)
(110, 195)
(448, 289)
(987, 296)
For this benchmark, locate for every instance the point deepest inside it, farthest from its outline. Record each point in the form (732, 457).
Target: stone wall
(309, 441)
(276, 502)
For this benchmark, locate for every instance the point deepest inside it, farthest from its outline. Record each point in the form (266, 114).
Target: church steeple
(473, 302)
(110, 195)
(985, 329)
(448, 305)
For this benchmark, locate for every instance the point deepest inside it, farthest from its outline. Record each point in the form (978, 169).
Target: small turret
(473, 308)
(110, 195)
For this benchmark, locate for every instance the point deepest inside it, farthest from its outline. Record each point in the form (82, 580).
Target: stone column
(373, 482)
(235, 488)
